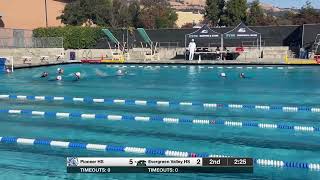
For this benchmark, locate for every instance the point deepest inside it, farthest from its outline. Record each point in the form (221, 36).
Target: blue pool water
(272, 86)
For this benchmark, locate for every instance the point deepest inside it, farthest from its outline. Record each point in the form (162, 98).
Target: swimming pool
(190, 109)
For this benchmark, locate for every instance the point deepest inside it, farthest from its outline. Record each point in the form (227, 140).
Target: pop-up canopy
(243, 32)
(202, 34)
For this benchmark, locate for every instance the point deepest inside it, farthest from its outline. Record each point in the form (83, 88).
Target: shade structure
(243, 32)
(203, 34)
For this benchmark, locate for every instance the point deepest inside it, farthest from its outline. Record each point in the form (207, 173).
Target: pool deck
(175, 61)
(207, 62)
(211, 62)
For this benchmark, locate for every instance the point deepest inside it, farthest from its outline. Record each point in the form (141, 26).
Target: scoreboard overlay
(158, 165)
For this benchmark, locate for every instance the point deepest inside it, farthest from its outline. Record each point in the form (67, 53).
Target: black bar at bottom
(248, 169)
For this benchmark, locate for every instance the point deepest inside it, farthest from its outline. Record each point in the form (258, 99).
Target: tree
(306, 15)
(269, 20)
(187, 26)
(134, 11)
(235, 12)
(73, 14)
(214, 11)
(285, 18)
(99, 11)
(256, 14)
(120, 14)
(167, 19)
(257, 17)
(157, 14)
(79, 12)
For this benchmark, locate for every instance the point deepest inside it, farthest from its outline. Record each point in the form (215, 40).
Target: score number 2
(198, 161)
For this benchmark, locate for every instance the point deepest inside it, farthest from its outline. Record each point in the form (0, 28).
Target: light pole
(46, 11)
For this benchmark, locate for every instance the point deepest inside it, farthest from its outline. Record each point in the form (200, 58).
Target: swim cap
(59, 69)
(223, 74)
(78, 74)
(59, 78)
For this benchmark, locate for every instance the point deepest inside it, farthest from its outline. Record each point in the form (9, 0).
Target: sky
(292, 3)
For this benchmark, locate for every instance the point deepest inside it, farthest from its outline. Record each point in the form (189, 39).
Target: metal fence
(31, 42)
(22, 38)
(12, 33)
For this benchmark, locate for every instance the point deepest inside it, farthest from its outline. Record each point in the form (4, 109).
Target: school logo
(141, 163)
(242, 30)
(204, 31)
(72, 161)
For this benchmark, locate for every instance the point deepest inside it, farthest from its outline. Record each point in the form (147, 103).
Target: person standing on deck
(192, 49)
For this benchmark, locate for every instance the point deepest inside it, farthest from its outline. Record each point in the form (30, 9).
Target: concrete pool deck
(169, 62)
(207, 62)
(272, 56)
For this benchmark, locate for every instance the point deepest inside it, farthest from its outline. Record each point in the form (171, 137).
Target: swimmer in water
(120, 72)
(242, 75)
(223, 75)
(58, 78)
(60, 71)
(44, 74)
(77, 75)
(8, 70)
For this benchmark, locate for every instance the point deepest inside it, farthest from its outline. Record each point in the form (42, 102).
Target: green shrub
(74, 37)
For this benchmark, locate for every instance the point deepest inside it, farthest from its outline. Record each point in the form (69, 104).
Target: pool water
(292, 86)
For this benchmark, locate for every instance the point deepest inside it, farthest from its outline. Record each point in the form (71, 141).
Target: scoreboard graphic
(158, 165)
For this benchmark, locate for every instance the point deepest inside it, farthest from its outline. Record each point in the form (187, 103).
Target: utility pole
(46, 11)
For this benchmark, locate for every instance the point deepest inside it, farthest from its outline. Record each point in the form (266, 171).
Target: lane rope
(200, 67)
(89, 100)
(168, 120)
(149, 151)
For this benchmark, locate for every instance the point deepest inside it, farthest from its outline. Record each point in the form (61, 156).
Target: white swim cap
(223, 74)
(59, 78)
(78, 74)
(59, 69)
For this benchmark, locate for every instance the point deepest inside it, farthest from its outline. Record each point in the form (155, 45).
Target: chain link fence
(33, 42)
(22, 38)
